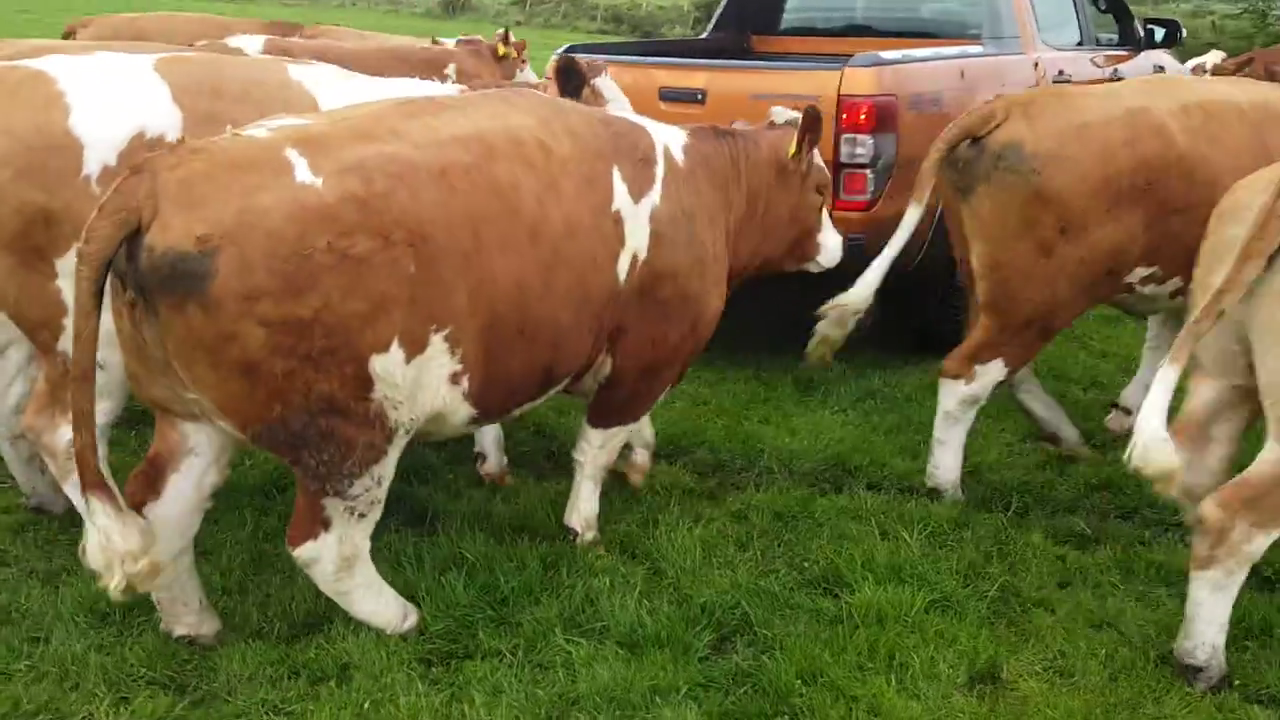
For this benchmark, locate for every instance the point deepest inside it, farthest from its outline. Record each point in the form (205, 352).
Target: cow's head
(587, 82)
(796, 210)
(509, 53)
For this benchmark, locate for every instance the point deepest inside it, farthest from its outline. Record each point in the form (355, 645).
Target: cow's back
(22, 48)
(178, 28)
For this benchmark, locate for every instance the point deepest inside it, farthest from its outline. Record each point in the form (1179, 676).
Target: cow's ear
(503, 46)
(808, 133)
(520, 46)
(570, 77)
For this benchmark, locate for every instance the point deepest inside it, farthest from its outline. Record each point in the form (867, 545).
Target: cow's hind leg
(1162, 328)
(993, 349)
(330, 538)
(641, 439)
(1234, 526)
(1047, 413)
(491, 456)
(18, 371)
(173, 488)
(1221, 402)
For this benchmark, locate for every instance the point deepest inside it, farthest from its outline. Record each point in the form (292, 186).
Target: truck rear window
(949, 19)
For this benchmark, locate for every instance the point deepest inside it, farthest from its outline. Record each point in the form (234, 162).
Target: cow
(81, 118)
(1232, 332)
(432, 62)
(1058, 200)
(609, 300)
(599, 89)
(1260, 64)
(187, 28)
(23, 48)
(175, 28)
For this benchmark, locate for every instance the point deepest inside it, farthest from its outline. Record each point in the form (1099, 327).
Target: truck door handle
(692, 96)
(1061, 77)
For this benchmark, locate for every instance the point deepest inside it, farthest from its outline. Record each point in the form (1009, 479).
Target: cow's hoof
(501, 476)
(50, 505)
(1203, 679)
(1120, 420)
(580, 537)
(949, 494)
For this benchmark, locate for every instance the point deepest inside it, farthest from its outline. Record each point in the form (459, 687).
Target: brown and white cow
(463, 65)
(72, 121)
(1260, 64)
(1202, 64)
(1233, 333)
(610, 296)
(1058, 200)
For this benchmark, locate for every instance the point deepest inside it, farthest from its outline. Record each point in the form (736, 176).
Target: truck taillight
(866, 148)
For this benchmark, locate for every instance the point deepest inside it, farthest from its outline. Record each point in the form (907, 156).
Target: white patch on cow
(248, 44)
(335, 87)
(526, 74)
(422, 396)
(779, 115)
(302, 169)
(111, 98)
(1150, 298)
(1209, 59)
(175, 517)
(338, 559)
(595, 451)
(18, 371)
(958, 403)
(264, 127)
(451, 72)
(636, 215)
(830, 246)
(1162, 328)
(448, 42)
(614, 99)
(1046, 411)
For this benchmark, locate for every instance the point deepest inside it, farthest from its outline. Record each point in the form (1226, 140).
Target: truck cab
(889, 75)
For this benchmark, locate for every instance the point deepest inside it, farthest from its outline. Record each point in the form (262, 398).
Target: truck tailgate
(719, 93)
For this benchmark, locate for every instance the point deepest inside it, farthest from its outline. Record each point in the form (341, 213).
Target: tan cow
(463, 65)
(1233, 332)
(1260, 64)
(611, 279)
(70, 122)
(1058, 200)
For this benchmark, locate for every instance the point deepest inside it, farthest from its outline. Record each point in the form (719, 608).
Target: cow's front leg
(641, 440)
(491, 456)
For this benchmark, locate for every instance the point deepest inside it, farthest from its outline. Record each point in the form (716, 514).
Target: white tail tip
(1151, 451)
(116, 547)
(838, 316)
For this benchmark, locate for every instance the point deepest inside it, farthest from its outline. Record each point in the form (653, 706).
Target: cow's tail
(1151, 451)
(117, 542)
(840, 314)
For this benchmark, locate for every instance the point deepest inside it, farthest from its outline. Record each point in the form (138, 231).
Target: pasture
(782, 561)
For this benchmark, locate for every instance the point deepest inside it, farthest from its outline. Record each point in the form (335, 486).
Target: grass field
(782, 562)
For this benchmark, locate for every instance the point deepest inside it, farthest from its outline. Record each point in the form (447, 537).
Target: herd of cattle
(327, 243)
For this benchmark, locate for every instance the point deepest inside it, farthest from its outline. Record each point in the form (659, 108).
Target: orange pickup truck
(888, 76)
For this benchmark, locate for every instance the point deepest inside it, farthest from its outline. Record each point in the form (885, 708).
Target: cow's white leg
(337, 556)
(491, 456)
(1162, 328)
(1232, 533)
(1046, 411)
(642, 439)
(959, 400)
(18, 371)
(595, 451)
(188, 461)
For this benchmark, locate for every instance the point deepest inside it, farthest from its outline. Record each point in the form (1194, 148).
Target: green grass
(782, 562)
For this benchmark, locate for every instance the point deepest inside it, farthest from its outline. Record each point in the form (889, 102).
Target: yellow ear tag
(502, 50)
(795, 142)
